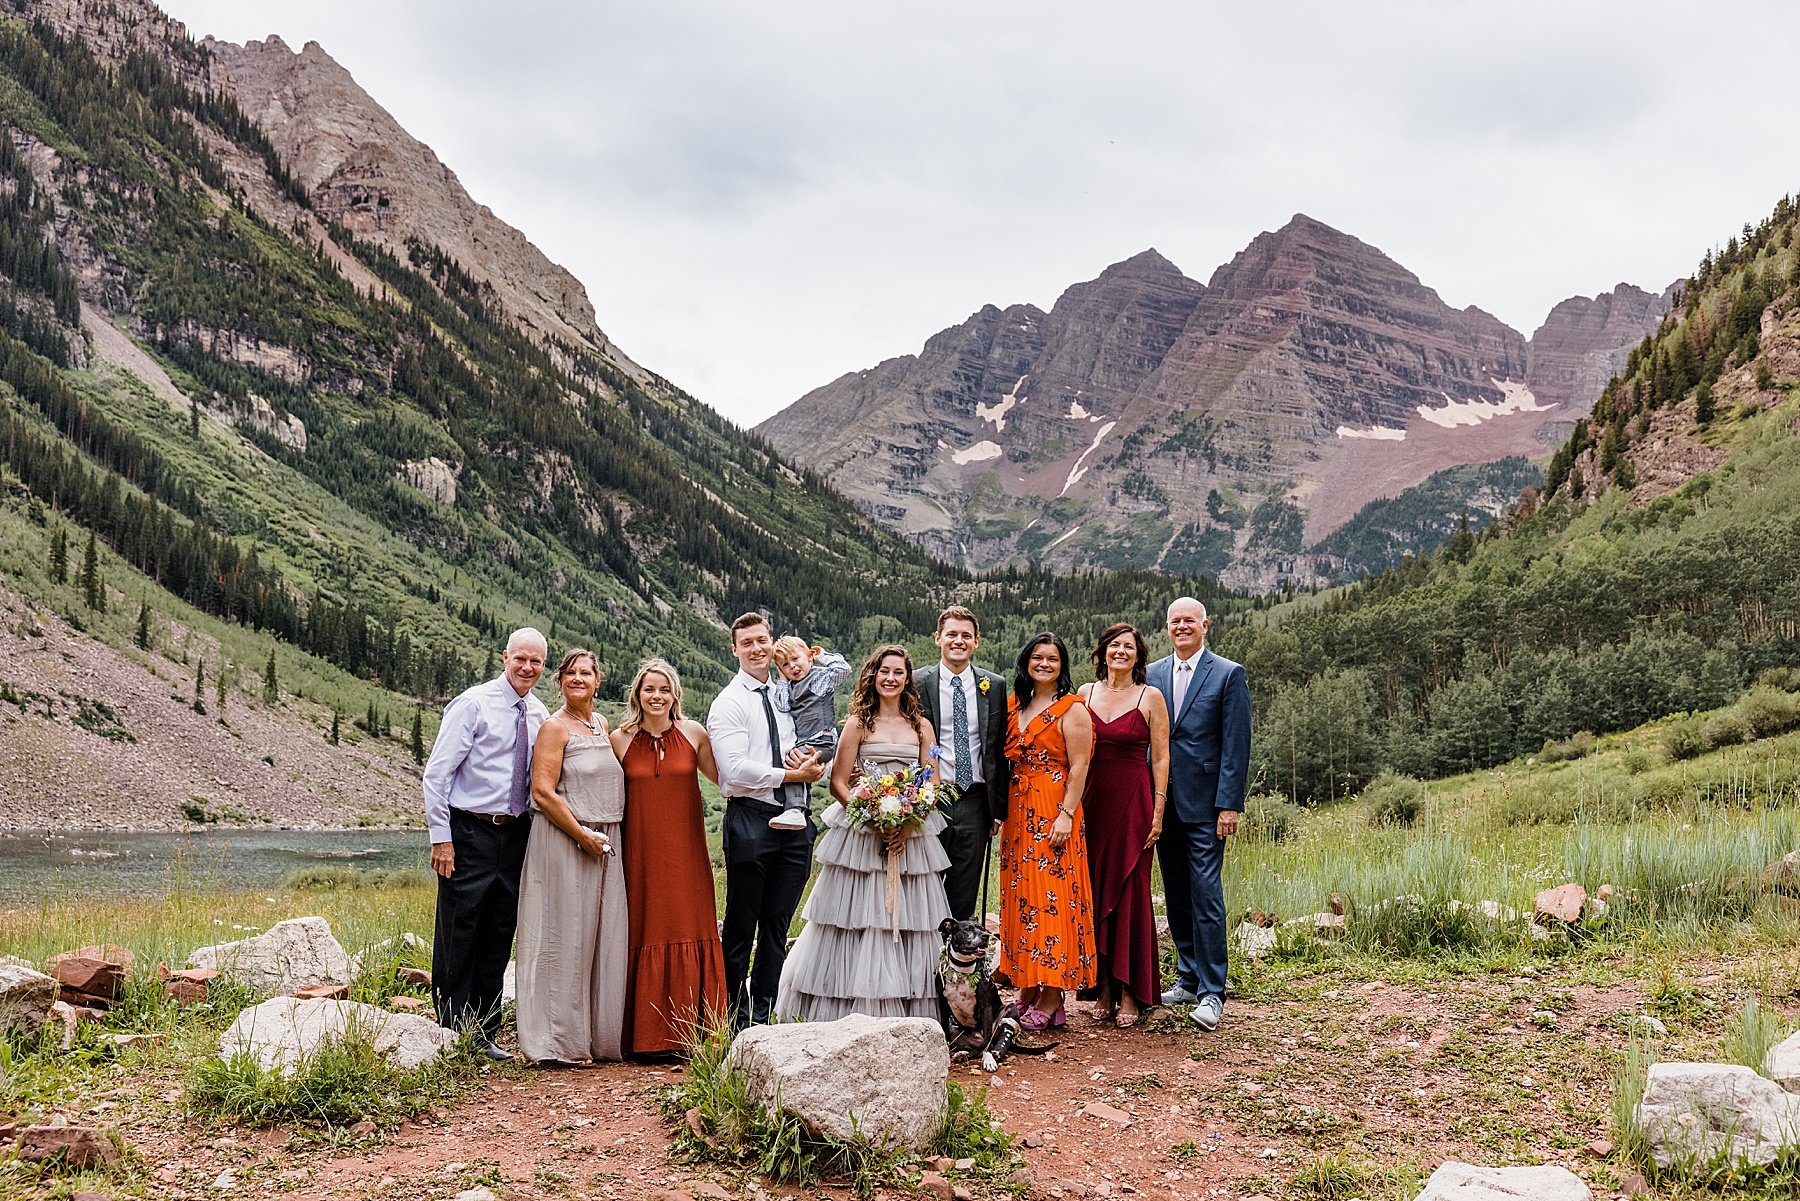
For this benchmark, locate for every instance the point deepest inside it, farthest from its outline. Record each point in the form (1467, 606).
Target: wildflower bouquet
(887, 799)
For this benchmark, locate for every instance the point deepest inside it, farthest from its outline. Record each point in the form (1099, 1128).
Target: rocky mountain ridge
(1149, 420)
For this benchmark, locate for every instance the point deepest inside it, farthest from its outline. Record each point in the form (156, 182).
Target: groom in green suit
(967, 708)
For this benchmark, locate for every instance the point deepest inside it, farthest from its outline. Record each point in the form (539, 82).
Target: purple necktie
(521, 781)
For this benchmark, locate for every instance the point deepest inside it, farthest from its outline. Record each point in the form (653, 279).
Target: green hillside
(1653, 576)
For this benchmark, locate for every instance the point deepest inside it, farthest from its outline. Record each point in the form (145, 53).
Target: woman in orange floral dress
(1046, 906)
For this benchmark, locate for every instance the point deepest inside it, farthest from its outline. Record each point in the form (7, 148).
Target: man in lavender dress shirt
(477, 784)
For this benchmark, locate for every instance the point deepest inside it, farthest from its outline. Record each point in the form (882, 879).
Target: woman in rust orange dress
(1046, 906)
(676, 983)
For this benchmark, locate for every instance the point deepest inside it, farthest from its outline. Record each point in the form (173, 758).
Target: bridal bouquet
(895, 798)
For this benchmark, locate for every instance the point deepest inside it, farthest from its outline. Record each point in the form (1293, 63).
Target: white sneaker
(1179, 996)
(788, 819)
(1207, 1013)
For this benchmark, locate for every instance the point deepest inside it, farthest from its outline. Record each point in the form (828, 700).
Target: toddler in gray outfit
(807, 692)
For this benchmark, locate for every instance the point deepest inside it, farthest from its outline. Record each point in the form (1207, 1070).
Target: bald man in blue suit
(1209, 765)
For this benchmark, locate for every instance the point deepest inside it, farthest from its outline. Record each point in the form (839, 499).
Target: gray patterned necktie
(959, 734)
(521, 776)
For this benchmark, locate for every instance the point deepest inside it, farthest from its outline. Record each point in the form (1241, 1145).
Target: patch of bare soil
(98, 738)
(1380, 1079)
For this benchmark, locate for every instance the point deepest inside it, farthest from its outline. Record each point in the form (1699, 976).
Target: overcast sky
(761, 197)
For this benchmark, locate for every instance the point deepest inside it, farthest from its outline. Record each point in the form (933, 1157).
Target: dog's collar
(975, 971)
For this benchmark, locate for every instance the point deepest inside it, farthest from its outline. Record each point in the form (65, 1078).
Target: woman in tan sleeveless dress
(574, 929)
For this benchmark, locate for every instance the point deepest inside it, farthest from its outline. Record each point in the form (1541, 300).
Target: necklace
(593, 726)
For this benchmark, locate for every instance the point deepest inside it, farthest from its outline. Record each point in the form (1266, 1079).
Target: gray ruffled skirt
(847, 959)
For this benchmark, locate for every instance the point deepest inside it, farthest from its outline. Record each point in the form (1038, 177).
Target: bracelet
(1065, 812)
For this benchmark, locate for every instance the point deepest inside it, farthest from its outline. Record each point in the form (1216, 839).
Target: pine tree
(1703, 404)
(219, 688)
(271, 690)
(59, 556)
(90, 574)
(199, 685)
(371, 723)
(143, 626)
(418, 736)
(334, 728)
(487, 673)
(194, 420)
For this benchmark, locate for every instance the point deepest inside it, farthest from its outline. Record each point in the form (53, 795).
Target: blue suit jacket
(1209, 740)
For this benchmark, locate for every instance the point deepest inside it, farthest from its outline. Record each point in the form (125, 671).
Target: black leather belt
(493, 819)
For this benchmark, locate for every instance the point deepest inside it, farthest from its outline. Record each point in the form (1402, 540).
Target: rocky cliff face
(365, 172)
(1583, 343)
(1148, 420)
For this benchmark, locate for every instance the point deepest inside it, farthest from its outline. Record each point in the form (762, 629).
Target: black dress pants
(477, 912)
(765, 873)
(965, 840)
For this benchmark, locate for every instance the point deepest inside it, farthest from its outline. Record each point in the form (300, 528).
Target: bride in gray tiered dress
(847, 959)
(574, 929)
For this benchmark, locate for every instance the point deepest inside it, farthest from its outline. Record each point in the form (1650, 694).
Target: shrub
(1785, 678)
(1394, 800)
(1576, 746)
(1640, 759)
(1270, 817)
(1769, 711)
(1686, 739)
(1727, 727)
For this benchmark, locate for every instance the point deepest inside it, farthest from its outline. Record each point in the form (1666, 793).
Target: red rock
(196, 975)
(406, 1004)
(415, 975)
(184, 992)
(937, 1185)
(77, 1146)
(1340, 904)
(111, 953)
(706, 1188)
(1600, 1148)
(323, 992)
(692, 1120)
(1562, 904)
(87, 978)
(1633, 1184)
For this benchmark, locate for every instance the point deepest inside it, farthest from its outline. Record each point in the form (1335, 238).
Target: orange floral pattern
(1046, 905)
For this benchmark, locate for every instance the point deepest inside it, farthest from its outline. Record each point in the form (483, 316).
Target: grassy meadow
(1691, 937)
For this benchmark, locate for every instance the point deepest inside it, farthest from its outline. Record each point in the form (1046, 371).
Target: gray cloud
(761, 197)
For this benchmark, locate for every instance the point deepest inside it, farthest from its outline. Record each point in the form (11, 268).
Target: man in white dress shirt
(967, 707)
(477, 787)
(765, 869)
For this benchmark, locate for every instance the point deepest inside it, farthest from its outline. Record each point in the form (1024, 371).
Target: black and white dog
(975, 1019)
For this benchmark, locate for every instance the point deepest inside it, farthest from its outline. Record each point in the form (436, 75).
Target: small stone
(415, 975)
(959, 1193)
(668, 1194)
(406, 1004)
(1106, 1113)
(478, 1193)
(225, 1181)
(940, 1163)
(963, 1165)
(1455, 1181)
(323, 992)
(1562, 904)
(935, 1184)
(77, 1146)
(706, 1188)
(1600, 1148)
(1633, 1184)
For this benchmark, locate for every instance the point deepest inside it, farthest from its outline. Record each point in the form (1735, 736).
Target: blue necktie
(521, 780)
(959, 734)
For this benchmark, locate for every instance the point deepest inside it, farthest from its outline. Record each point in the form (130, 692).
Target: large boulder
(1455, 1181)
(282, 1032)
(879, 1079)
(1782, 1065)
(1694, 1112)
(297, 953)
(26, 995)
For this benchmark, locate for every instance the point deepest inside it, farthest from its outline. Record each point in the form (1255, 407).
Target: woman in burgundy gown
(1127, 785)
(676, 982)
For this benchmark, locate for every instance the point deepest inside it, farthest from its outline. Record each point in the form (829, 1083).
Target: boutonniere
(983, 687)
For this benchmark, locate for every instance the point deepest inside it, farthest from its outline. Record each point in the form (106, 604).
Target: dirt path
(1365, 1084)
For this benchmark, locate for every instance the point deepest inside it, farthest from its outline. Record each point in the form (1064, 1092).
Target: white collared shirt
(740, 738)
(471, 764)
(946, 703)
